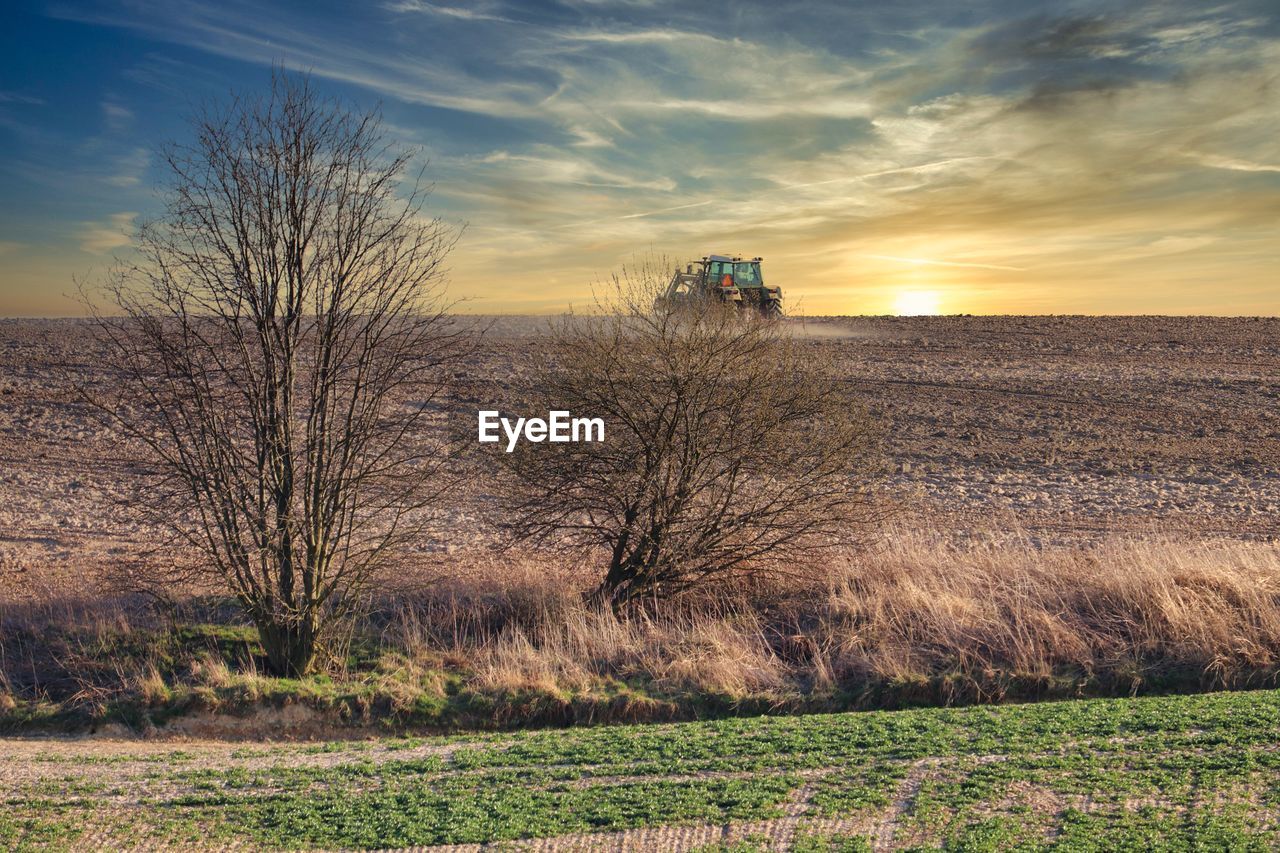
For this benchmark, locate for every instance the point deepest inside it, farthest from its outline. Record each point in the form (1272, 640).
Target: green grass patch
(1174, 773)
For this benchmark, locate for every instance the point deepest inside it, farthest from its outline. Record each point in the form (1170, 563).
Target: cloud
(1078, 37)
(554, 168)
(19, 98)
(938, 263)
(776, 107)
(127, 169)
(1216, 162)
(116, 115)
(1168, 245)
(103, 237)
(1009, 147)
(649, 37)
(457, 12)
(666, 209)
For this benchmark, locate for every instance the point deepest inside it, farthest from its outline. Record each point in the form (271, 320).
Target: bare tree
(730, 445)
(276, 345)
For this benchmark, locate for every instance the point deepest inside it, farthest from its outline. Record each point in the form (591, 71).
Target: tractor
(732, 280)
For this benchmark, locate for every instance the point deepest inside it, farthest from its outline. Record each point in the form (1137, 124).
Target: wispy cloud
(663, 210)
(128, 168)
(657, 36)
(937, 263)
(1235, 165)
(114, 233)
(116, 115)
(456, 12)
(19, 98)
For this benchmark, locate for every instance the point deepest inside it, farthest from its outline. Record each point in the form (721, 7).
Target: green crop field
(1171, 773)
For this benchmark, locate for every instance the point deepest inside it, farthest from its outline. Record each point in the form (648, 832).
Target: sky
(996, 156)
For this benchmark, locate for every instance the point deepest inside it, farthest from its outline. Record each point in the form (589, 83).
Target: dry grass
(918, 620)
(1122, 610)
(977, 622)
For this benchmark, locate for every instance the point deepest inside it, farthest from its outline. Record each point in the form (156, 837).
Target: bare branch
(730, 445)
(277, 348)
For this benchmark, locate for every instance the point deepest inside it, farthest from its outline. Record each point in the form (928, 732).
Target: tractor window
(747, 275)
(719, 269)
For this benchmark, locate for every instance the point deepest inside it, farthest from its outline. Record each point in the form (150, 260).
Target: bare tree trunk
(290, 646)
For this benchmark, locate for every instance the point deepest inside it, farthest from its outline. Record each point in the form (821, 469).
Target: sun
(916, 303)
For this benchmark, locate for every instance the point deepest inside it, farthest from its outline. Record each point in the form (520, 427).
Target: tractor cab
(732, 272)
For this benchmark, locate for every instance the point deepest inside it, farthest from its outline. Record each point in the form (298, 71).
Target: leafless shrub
(729, 446)
(276, 348)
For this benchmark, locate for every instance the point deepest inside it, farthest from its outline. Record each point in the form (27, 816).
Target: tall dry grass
(921, 619)
(1007, 616)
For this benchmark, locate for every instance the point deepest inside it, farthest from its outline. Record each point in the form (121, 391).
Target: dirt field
(1067, 426)
(1073, 429)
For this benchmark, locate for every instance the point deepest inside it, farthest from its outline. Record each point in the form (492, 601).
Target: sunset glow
(1015, 158)
(915, 303)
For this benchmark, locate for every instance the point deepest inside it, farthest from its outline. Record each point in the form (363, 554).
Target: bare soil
(1066, 427)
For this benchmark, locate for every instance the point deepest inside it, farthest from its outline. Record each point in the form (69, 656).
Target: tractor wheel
(771, 309)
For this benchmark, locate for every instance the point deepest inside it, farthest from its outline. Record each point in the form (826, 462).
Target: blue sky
(982, 157)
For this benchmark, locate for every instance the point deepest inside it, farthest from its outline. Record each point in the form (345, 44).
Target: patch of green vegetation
(38, 715)
(51, 828)
(1175, 773)
(176, 756)
(465, 810)
(305, 778)
(403, 743)
(66, 787)
(229, 639)
(992, 835)
(1162, 829)
(862, 788)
